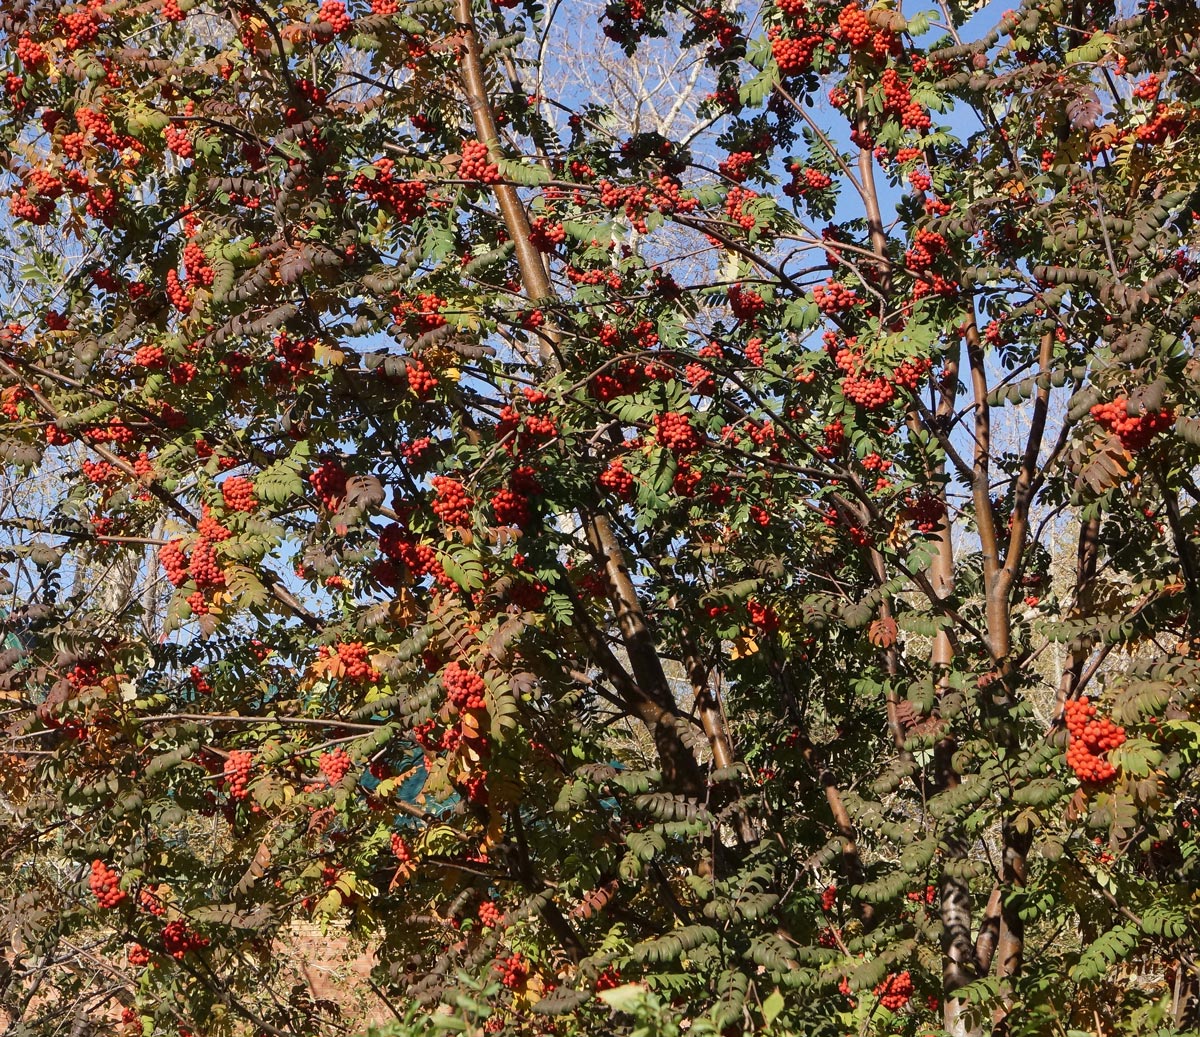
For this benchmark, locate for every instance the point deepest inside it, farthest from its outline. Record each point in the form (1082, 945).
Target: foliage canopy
(631, 579)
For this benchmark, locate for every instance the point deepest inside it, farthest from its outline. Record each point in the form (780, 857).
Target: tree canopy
(625, 519)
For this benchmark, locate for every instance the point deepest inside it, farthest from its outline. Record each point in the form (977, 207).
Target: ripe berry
(465, 688)
(334, 765)
(238, 494)
(237, 772)
(105, 885)
(476, 163)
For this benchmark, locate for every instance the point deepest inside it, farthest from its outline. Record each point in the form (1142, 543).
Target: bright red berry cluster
(105, 884)
(237, 772)
(465, 688)
(476, 163)
(852, 20)
(179, 141)
(452, 505)
(794, 54)
(762, 616)
(334, 765)
(1134, 431)
(894, 992)
(617, 480)
(489, 914)
(674, 431)
(137, 955)
(238, 494)
(1091, 739)
(421, 380)
(204, 567)
(333, 13)
(828, 898)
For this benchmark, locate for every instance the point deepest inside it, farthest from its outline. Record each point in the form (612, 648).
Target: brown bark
(651, 699)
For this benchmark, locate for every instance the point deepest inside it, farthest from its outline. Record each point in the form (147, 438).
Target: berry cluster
(1090, 739)
(421, 380)
(405, 199)
(211, 529)
(894, 992)
(105, 884)
(762, 616)
(794, 54)
(151, 903)
(137, 955)
(852, 20)
(328, 481)
(150, 356)
(489, 914)
(353, 660)
(452, 504)
(925, 511)
(476, 163)
(545, 234)
(400, 849)
(512, 505)
(398, 545)
(333, 13)
(465, 688)
(29, 52)
(834, 297)
(237, 772)
(238, 494)
(204, 567)
(1134, 431)
(805, 179)
(868, 391)
(897, 101)
(674, 431)
(334, 765)
(608, 979)
(828, 898)
(178, 939)
(617, 480)
(179, 141)
(514, 971)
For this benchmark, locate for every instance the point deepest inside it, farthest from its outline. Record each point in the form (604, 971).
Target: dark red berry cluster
(328, 481)
(178, 939)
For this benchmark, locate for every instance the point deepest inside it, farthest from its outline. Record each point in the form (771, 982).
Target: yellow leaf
(743, 646)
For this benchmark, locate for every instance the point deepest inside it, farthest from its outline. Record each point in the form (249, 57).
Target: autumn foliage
(591, 568)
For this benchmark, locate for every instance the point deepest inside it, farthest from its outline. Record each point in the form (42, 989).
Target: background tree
(579, 558)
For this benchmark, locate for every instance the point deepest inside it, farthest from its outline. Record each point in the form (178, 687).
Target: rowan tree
(733, 575)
